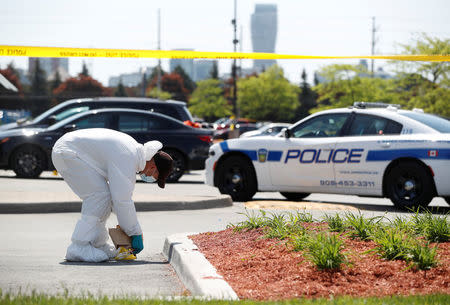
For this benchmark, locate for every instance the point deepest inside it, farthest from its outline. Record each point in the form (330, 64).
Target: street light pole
(233, 69)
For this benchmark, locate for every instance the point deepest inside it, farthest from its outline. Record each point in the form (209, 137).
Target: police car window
(328, 125)
(97, 120)
(365, 125)
(435, 122)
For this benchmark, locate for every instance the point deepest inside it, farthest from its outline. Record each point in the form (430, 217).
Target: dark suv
(175, 109)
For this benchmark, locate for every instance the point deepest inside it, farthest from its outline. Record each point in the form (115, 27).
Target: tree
(172, 83)
(187, 81)
(56, 82)
(81, 86)
(39, 94)
(268, 96)
(120, 90)
(214, 73)
(12, 76)
(208, 102)
(84, 70)
(307, 98)
(427, 45)
(159, 94)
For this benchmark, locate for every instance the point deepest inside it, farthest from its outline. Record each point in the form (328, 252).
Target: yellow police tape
(123, 53)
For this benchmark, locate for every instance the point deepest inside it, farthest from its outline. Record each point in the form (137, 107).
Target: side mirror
(69, 128)
(287, 133)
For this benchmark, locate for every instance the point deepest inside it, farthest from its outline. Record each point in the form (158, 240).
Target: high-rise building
(202, 69)
(50, 66)
(186, 64)
(264, 33)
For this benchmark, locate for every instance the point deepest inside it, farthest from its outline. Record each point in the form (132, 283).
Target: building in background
(264, 33)
(186, 64)
(50, 66)
(202, 69)
(130, 79)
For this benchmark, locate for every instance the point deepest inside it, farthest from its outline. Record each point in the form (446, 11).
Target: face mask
(148, 179)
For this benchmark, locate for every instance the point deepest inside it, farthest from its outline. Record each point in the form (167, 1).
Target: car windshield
(435, 122)
(48, 113)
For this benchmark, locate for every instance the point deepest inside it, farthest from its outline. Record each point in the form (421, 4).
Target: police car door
(354, 173)
(306, 164)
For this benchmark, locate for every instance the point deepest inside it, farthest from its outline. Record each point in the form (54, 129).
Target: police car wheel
(28, 162)
(447, 199)
(409, 185)
(237, 178)
(294, 196)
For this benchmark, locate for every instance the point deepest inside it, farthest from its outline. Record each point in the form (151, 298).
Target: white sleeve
(122, 178)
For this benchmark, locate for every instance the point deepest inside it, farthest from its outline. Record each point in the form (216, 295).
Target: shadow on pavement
(115, 263)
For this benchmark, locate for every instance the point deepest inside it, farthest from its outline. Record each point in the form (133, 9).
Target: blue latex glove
(137, 243)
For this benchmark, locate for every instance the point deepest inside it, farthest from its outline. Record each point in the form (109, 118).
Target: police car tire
(246, 188)
(424, 185)
(447, 199)
(179, 166)
(294, 196)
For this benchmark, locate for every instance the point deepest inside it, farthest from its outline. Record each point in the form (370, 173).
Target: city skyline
(304, 28)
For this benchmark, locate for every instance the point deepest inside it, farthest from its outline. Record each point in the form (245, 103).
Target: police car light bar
(374, 105)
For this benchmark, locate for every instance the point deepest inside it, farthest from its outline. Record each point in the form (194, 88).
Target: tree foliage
(307, 98)
(173, 84)
(208, 101)
(159, 94)
(269, 96)
(12, 76)
(214, 73)
(427, 45)
(81, 86)
(188, 83)
(40, 100)
(120, 90)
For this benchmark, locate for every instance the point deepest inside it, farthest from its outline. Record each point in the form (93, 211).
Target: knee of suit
(90, 229)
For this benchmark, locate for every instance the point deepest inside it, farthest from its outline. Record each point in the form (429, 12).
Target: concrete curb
(194, 270)
(141, 206)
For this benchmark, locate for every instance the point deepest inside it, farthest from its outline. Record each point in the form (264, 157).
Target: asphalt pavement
(34, 239)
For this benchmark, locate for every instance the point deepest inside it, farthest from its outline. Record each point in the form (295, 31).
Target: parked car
(379, 152)
(175, 109)
(271, 129)
(235, 132)
(27, 151)
(227, 122)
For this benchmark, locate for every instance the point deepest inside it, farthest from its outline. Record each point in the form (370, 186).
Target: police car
(369, 149)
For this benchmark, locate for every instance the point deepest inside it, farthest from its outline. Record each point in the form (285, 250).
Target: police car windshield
(435, 122)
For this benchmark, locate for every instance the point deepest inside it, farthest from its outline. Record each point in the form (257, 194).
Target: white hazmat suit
(100, 166)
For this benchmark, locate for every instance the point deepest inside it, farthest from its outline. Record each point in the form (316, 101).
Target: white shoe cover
(85, 253)
(109, 250)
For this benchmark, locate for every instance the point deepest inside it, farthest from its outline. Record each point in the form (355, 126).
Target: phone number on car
(349, 183)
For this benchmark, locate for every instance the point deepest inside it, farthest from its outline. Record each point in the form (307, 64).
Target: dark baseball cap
(164, 164)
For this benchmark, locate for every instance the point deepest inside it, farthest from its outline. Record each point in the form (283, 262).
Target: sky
(313, 27)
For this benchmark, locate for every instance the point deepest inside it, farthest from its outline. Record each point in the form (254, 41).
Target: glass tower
(264, 33)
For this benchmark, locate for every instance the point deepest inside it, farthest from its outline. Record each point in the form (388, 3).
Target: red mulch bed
(265, 269)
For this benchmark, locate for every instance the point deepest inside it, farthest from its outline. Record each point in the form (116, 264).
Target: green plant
(253, 221)
(335, 223)
(437, 229)
(300, 217)
(325, 251)
(276, 227)
(392, 244)
(420, 221)
(360, 226)
(299, 239)
(401, 224)
(423, 256)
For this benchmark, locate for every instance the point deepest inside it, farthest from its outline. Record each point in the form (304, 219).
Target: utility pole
(158, 83)
(233, 69)
(374, 30)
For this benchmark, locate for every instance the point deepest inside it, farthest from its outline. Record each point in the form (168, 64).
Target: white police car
(368, 150)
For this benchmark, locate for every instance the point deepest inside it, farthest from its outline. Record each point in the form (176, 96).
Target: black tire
(409, 185)
(28, 162)
(179, 165)
(236, 177)
(447, 199)
(294, 196)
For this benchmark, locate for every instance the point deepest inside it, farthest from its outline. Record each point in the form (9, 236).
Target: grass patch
(324, 250)
(36, 299)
